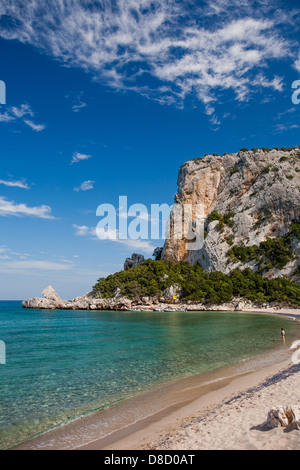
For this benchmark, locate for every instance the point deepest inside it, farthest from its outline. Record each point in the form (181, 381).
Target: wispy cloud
(15, 262)
(22, 111)
(15, 184)
(18, 113)
(297, 63)
(40, 265)
(35, 127)
(79, 104)
(85, 186)
(112, 236)
(77, 101)
(285, 127)
(6, 117)
(8, 208)
(163, 49)
(77, 157)
(141, 245)
(84, 230)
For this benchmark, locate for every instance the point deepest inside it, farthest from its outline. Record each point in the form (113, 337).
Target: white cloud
(22, 110)
(15, 184)
(84, 230)
(142, 245)
(15, 113)
(79, 104)
(112, 235)
(77, 157)
(40, 265)
(21, 209)
(85, 186)
(35, 127)
(285, 127)
(15, 262)
(297, 63)
(6, 117)
(188, 48)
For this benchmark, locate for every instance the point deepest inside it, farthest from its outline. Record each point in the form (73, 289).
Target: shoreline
(170, 431)
(286, 312)
(234, 418)
(52, 301)
(166, 407)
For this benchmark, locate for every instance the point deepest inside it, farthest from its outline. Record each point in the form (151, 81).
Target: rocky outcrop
(134, 261)
(258, 190)
(51, 300)
(90, 301)
(283, 416)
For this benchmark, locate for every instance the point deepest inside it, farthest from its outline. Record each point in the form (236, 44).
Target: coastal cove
(65, 365)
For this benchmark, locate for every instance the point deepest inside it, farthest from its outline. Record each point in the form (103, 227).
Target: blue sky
(109, 98)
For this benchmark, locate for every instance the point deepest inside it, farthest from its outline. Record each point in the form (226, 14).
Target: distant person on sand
(283, 335)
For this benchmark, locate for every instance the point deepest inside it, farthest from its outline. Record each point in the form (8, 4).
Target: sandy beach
(237, 422)
(290, 312)
(229, 418)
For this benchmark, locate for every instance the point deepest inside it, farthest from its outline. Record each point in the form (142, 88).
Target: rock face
(134, 261)
(50, 301)
(259, 189)
(90, 301)
(50, 294)
(172, 291)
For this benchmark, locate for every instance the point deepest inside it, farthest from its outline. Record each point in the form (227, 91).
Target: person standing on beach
(283, 335)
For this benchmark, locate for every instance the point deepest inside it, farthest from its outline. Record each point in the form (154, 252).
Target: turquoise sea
(63, 364)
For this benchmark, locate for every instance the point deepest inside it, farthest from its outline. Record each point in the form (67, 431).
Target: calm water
(63, 364)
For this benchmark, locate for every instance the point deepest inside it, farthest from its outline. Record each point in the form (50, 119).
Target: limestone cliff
(134, 261)
(249, 197)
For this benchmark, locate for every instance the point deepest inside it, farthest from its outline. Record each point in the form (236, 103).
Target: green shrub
(270, 254)
(214, 215)
(295, 230)
(225, 219)
(151, 278)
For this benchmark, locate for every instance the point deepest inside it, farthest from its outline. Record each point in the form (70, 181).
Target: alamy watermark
(296, 355)
(2, 352)
(178, 222)
(296, 94)
(2, 92)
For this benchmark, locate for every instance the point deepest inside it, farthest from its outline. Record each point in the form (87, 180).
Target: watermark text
(178, 222)
(2, 92)
(296, 94)
(2, 352)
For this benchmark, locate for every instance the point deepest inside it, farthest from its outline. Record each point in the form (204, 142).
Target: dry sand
(290, 312)
(236, 423)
